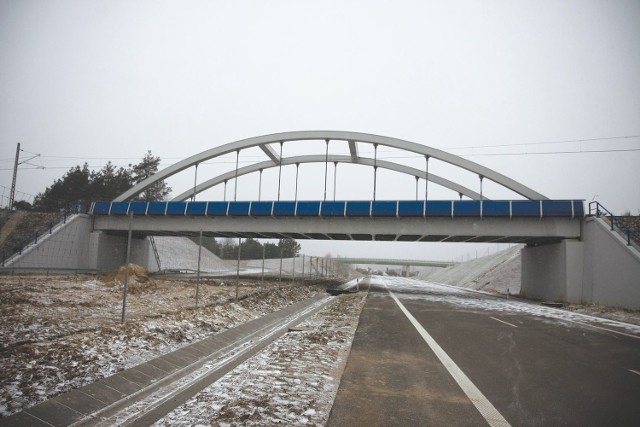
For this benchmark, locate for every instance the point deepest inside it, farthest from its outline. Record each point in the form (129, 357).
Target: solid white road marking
(634, 371)
(604, 329)
(482, 404)
(502, 321)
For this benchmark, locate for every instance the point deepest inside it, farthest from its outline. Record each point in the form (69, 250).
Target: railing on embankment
(617, 223)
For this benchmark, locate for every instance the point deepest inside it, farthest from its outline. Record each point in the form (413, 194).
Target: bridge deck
(508, 221)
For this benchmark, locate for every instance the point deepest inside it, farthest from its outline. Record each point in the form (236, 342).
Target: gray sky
(108, 80)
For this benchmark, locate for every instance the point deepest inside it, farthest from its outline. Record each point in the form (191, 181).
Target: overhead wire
(248, 158)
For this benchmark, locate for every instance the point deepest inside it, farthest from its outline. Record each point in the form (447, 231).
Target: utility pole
(17, 163)
(15, 175)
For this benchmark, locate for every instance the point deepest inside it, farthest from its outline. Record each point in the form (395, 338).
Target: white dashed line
(502, 321)
(482, 404)
(634, 371)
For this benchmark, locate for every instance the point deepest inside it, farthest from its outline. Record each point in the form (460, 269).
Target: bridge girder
(351, 138)
(494, 230)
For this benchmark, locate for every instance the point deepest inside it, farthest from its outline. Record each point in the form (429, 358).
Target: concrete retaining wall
(67, 247)
(74, 246)
(612, 269)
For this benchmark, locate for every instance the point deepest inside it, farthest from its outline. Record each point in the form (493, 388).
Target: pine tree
(143, 170)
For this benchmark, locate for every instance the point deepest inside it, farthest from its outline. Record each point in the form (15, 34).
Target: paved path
(471, 359)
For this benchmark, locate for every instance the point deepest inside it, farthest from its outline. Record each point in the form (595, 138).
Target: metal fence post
(238, 268)
(198, 274)
(294, 269)
(280, 277)
(126, 269)
(263, 254)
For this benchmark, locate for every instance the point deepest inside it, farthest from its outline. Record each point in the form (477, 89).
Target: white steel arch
(321, 158)
(351, 138)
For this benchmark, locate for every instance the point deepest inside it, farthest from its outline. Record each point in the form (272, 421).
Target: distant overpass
(406, 262)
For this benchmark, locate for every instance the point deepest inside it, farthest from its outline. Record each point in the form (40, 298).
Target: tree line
(80, 185)
(250, 248)
(83, 186)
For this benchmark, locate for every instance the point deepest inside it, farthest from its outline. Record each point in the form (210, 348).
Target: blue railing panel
(119, 208)
(306, 208)
(138, 208)
(284, 208)
(525, 208)
(578, 208)
(380, 208)
(439, 208)
(358, 208)
(495, 208)
(197, 209)
(239, 208)
(176, 208)
(331, 208)
(157, 208)
(551, 208)
(466, 208)
(384, 208)
(217, 208)
(101, 208)
(261, 208)
(410, 208)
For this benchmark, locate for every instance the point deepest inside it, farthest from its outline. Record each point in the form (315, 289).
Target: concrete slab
(164, 365)
(22, 419)
(103, 393)
(79, 401)
(54, 413)
(121, 384)
(152, 371)
(136, 376)
(193, 351)
(179, 358)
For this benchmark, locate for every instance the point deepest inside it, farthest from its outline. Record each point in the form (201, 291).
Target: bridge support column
(553, 272)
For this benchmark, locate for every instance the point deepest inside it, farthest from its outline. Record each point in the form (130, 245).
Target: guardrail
(350, 209)
(596, 209)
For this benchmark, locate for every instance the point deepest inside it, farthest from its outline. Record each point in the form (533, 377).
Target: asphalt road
(484, 360)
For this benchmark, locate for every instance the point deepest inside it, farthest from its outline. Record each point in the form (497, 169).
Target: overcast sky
(554, 84)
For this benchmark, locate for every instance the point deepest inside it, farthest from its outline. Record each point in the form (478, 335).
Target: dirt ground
(62, 332)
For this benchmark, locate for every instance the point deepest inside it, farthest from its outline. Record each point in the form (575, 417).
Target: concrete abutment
(598, 269)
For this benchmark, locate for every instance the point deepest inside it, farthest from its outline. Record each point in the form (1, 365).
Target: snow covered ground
(496, 273)
(60, 333)
(292, 382)
(415, 289)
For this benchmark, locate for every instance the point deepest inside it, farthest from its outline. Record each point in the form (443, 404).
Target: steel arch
(350, 137)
